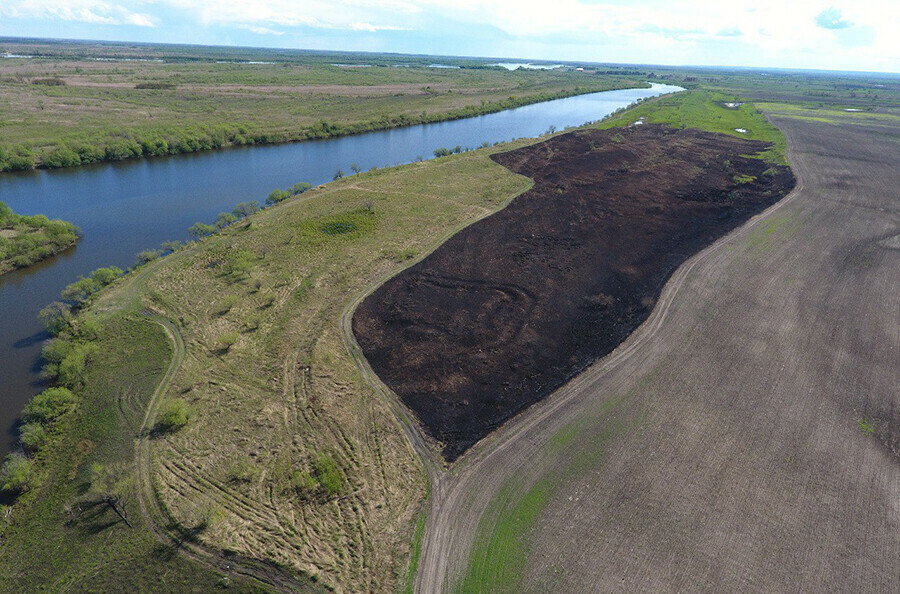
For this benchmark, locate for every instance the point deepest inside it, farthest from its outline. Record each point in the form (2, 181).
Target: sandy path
(743, 465)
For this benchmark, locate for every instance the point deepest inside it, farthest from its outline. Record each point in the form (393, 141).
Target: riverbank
(26, 240)
(66, 110)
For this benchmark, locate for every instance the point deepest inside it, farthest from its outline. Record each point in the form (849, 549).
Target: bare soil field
(512, 307)
(744, 438)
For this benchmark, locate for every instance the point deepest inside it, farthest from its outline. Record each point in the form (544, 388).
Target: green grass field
(707, 110)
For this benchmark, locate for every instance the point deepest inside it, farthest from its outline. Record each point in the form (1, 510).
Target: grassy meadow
(72, 104)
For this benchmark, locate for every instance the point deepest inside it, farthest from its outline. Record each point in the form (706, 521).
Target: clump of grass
(338, 227)
(744, 179)
(865, 426)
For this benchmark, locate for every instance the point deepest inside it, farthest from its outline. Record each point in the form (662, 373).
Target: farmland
(745, 436)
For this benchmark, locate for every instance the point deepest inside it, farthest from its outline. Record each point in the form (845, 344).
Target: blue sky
(858, 35)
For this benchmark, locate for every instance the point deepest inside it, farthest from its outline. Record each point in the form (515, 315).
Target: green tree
(15, 474)
(277, 196)
(56, 317)
(49, 405)
(200, 230)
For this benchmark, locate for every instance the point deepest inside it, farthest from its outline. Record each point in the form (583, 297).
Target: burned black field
(512, 307)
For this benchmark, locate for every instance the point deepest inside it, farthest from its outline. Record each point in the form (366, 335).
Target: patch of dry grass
(285, 391)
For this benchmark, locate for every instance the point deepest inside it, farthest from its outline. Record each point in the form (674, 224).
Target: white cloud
(762, 32)
(98, 12)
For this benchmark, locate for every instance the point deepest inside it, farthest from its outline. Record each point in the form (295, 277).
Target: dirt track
(513, 306)
(723, 439)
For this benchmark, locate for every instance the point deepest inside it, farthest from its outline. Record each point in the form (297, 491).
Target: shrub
(200, 230)
(15, 474)
(228, 340)
(243, 471)
(53, 81)
(49, 405)
(104, 276)
(56, 317)
(223, 220)
(245, 209)
(173, 415)
(62, 157)
(90, 153)
(277, 196)
(304, 483)
(239, 263)
(147, 256)
(170, 246)
(70, 371)
(78, 292)
(299, 188)
(33, 436)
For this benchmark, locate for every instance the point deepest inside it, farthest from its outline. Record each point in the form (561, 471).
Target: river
(123, 208)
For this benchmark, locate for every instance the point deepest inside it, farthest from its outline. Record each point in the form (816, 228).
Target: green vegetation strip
(25, 240)
(707, 110)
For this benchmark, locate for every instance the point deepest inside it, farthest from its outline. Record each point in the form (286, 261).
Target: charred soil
(512, 307)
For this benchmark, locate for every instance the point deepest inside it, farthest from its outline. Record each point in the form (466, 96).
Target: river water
(123, 208)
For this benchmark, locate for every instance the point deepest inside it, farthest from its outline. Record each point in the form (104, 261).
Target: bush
(277, 196)
(224, 219)
(33, 436)
(200, 230)
(300, 188)
(228, 340)
(304, 483)
(49, 405)
(90, 154)
(56, 317)
(15, 474)
(147, 256)
(104, 276)
(123, 149)
(245, 209)
(62, 157)
(173, 415)
(79, 291)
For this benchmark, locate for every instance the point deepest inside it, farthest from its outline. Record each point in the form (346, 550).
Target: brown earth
(744, 438)
(512, 307)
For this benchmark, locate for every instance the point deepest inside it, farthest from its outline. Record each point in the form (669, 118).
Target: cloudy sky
(839, 35)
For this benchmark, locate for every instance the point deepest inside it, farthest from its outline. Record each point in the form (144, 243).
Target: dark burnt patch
(512, 307)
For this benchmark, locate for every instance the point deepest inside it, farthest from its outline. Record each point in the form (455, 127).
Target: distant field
(73, 104)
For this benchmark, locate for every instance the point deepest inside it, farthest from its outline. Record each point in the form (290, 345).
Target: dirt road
(745, 438)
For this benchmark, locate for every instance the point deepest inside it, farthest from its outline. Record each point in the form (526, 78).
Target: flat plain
(744, 438)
